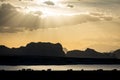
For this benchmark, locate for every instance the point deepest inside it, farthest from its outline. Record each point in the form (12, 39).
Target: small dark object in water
(100, 70)
(49, 70)
(27, 70)
(82, 69)
(114, 70)
(69, 70)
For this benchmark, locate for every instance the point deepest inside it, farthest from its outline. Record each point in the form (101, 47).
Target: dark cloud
(2, 0)
(49, 3)
(11, 20)
(70, 5)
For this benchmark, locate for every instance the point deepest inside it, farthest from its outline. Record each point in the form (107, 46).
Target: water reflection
(62, 67)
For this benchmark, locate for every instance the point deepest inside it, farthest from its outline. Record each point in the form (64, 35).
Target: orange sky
(80, 27)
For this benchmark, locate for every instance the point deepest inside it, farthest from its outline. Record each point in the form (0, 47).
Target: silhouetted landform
(91, 53)
(61, 70)
(69, 75)
(52, 54)
(4, 51)
(40, 60)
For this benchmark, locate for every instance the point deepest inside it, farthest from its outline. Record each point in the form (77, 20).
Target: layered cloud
(13, 20)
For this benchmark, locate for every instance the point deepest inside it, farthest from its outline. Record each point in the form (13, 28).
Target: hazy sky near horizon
(76, 24)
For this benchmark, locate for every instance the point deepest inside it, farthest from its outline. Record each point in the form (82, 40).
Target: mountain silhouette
(4, 51)
(42, 53)
(36, 49)
(88, 53)
(117, 54)
(50, 49)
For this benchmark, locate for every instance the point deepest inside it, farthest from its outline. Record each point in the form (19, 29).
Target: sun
(48, 9)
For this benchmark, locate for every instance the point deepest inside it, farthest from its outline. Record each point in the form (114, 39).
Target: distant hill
(42, 53)
(50, 49)
(117, 53)
(90, 53)
(4, 51)
(36, 49)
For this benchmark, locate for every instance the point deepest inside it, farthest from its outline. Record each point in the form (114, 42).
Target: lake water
(62, 67)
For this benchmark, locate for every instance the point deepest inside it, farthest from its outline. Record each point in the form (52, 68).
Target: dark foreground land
(60, 75)
(37, 60)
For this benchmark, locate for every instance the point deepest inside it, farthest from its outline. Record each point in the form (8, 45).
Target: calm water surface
(62, 67)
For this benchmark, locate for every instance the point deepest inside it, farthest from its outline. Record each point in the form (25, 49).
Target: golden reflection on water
(62, 67)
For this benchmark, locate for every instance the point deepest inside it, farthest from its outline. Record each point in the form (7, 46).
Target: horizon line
(64, 48)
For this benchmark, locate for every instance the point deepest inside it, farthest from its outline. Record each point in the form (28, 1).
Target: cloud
(49, 3)
(66, 20)
(109, 1)
(12, 20)
(39, 13)
(70, 5)
(101, 16)
(2, 0)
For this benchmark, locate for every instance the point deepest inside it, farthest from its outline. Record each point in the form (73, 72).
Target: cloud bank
(12, 20)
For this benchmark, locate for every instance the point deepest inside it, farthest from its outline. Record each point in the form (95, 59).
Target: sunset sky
(76, 24)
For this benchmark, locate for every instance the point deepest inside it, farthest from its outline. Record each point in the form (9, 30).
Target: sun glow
(41, 1)
(44, 11)
(38, 6)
